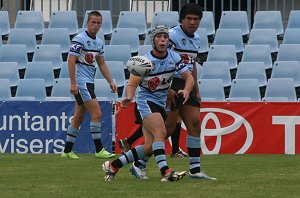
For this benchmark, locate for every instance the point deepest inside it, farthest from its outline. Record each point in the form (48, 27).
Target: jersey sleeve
(76, 46)
(180, 65)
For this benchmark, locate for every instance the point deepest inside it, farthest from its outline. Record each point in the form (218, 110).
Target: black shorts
(193, 100)
(153, 108)
(86, 93)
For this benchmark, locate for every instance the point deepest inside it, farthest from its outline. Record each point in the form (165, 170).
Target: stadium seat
(208, 23)
(223, 53)
(24, 36)
(103, 91)
(5, 93)
(264, 37)
(143, 49)
(31, 88)
(258, 53)
(117, 53)
(126, 36)
(199, 70)
(4, 23)
(280, 89)
(229, 37)
(268, 20)
(116, 69)
(252, 70)
(128, 19)
(147, 37)
(211, 90)
(106, 25)
(30, 19)
(217, 70)
(64, 19)
(235, 20)
(291, 36)
(14, 53)
(61, 88)
(294, 19)
(9, 70)
(50, 37)
(64, 70)
(288, 52)
(49, 52)
(0, 40)
(244, 90)
(204, 45)
(287, 69)
(167, 18)
(41, 70)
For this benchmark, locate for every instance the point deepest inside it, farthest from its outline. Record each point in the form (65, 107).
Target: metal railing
(147, 6)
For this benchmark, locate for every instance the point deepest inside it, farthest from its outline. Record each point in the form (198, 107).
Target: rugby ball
(139, 66)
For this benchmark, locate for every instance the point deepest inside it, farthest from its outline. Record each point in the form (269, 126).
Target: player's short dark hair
(94, 13)
(190, 8)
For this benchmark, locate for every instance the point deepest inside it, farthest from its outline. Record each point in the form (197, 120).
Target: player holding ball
(151, 101)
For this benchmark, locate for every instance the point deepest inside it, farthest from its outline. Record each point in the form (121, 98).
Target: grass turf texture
(48, 175)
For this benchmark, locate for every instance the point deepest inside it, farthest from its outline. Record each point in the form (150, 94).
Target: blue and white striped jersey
(154, 87)
(87, 49)
(186, 46)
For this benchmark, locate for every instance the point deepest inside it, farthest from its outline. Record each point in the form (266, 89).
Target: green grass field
(47, 175)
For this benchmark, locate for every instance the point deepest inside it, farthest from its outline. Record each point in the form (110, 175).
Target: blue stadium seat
(252, 70)
(264, 37)
(244, 90)
(229, 37)
(117, 53)
(64, 19)
(287, 69)
(258, 53)
(211, 90)
(217, 70)
(204, 45)
(291, 36)
(167, 18)
(143, 49)
(280, 89)
(5, 93)
(31, 88)
(41, 70)
(61, 88)
(50, 36)
(64, 70)
(147, 37)
(223, 53)
(103, 91)
(14, 53)
(116, 69)
(199, 70)
(268, 20)
(128, 19)
(235, 20)
(288, 52)
(126, 36)
(4, 23)
(24, 36)
(9, 70)
(208, 22)
(294, 19)
(30, 19)
(106, 26)
(49, 52)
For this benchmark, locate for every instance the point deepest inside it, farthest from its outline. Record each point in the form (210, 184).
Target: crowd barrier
(227, 128)
(40, 127)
